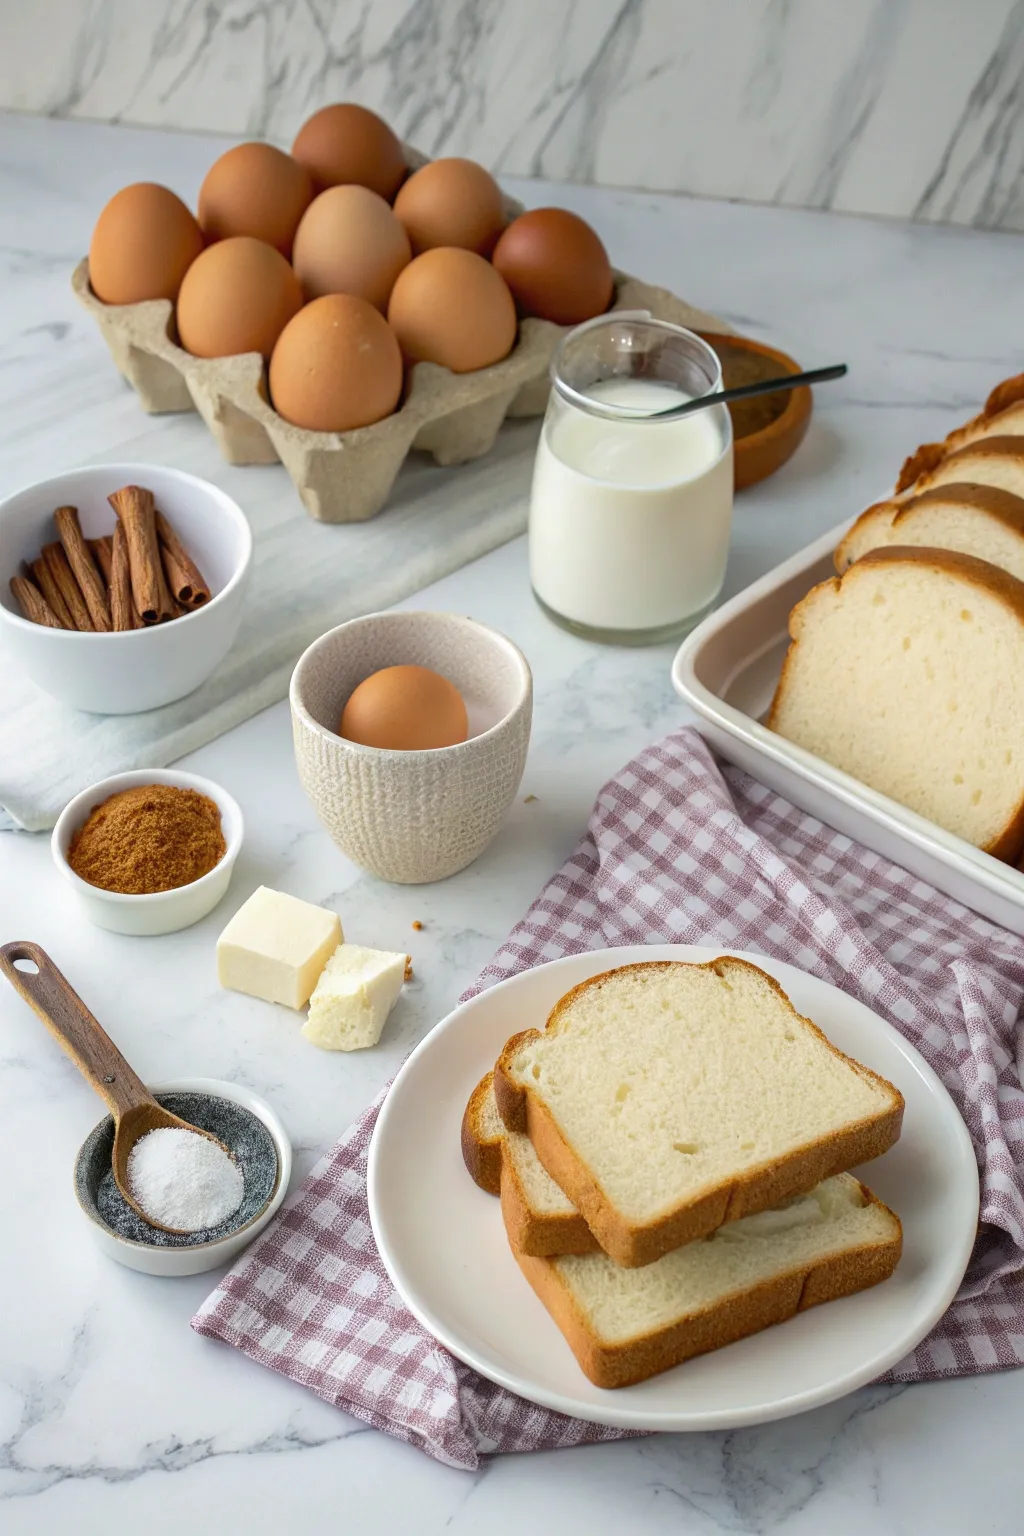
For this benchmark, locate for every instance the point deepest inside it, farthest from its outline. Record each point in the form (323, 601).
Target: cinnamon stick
(177, 580)
(84, 566)
(122, 606)
(64, 577)
(134, 507)
(43, 577)
(103, 553)
(183, 575)
(33, 604)
(102, 550)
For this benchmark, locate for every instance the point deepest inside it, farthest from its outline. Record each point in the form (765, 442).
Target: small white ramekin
(197, 1259)
(138, 669)
(163, 911)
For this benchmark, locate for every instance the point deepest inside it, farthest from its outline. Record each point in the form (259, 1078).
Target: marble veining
(912, 108)
(980, 167)
(112, 1412)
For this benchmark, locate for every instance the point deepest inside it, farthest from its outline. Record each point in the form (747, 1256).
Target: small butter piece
(353, 998)
(275, 947)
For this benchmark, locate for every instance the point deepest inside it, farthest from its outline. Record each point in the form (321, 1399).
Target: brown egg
(406, 709)
(337, 366)
(345, 143)
(349, 241)
(238, 296)
(556, 266)
(452, 202)
(451, 307)
(255, 190)
(144, 242)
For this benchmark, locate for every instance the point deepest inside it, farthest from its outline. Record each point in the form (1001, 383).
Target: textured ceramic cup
(413, 817)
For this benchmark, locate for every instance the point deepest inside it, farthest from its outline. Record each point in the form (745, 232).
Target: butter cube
(353, 998)
(275, 947)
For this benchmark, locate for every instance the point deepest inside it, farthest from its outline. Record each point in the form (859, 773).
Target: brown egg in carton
(346, 477)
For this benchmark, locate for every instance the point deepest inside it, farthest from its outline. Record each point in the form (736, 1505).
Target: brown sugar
(154, 837)
(741, 365)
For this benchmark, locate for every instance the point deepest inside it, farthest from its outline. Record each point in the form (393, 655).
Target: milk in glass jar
(630, 516)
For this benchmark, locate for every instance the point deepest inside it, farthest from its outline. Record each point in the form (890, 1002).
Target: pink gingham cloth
(679, 849)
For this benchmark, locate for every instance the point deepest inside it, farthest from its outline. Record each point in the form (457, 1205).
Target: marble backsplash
(901, 107)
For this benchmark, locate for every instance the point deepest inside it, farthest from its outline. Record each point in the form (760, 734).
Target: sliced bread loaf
(624, 1325)
(979, 520)
(908, 674)
(665, 1099)
(539, 1218)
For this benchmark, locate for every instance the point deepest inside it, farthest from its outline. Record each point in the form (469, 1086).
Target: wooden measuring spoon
(31, 972)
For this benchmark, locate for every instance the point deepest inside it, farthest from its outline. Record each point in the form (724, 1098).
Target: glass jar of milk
(629, 516)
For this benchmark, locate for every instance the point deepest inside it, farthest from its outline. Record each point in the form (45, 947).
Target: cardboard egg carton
(346, 477)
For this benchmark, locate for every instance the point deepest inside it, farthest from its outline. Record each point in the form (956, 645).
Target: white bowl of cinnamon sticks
(121, 585)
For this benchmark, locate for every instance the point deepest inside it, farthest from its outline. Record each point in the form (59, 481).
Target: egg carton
(346, 477)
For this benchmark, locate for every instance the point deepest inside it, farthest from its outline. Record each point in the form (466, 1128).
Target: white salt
(184, 1180)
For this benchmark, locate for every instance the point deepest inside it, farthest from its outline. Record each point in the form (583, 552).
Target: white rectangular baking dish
(726, 671)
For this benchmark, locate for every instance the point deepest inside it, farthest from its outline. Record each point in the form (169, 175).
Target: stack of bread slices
(907, 669)
(671, 1153)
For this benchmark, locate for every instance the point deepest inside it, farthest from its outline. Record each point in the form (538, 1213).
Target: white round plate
(443, 1244)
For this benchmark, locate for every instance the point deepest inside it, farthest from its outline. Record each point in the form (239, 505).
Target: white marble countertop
(111, 1410)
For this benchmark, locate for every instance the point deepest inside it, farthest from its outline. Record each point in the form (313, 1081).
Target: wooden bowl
(760, 452)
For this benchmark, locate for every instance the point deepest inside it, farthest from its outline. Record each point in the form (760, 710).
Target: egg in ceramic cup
(412, 816)
(405, 709)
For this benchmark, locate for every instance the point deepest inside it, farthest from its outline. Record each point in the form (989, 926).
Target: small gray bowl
(249, 1129)
(413, 817)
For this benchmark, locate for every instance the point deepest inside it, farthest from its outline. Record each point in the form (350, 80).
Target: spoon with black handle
(738, 392)
(746, 391)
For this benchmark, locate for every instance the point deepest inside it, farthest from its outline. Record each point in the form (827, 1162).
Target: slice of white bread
(667, 1098)
(1001, 416)
(908, 673)
(483, 1132)
(540, 1219)
(624, 1325)
(995, 460)
(979, 520)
